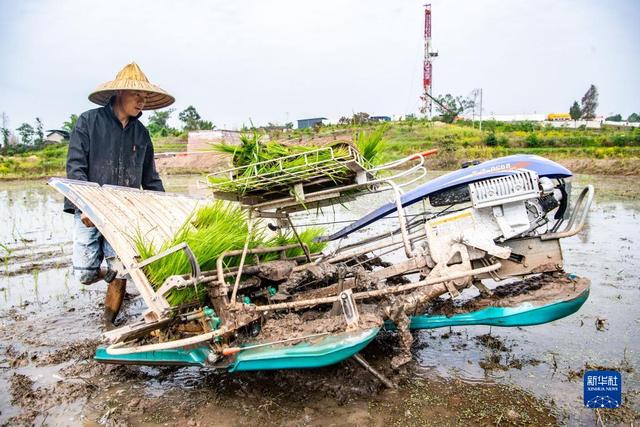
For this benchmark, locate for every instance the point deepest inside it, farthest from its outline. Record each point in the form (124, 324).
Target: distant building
(511, 117)
(309, 123)
(558, 117)
(56, 135)
(379, 119)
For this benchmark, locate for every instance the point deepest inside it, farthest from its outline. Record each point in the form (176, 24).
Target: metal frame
(282, 176)
(365, 178)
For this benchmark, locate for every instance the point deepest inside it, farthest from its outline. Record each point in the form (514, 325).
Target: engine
(503, 209)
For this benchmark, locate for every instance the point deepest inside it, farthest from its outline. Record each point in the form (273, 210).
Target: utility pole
(5, 130)
(427, 69)
(480, 109)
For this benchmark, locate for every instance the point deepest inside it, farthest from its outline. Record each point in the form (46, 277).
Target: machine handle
(424, 154)
(233, 350)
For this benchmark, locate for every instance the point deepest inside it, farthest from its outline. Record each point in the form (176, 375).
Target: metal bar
(162, 254)
(372, 371)
(403, 223)
(289, 201)
(582, 206)
(220, 265)
(375, 247)
(242, 258)
(233, 350)
(379, 292)
(119, 349)
(304, 247)
(336, 191)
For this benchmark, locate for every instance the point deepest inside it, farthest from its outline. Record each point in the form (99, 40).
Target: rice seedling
(35, 273)
(210, 231)
(370, 144)
(36, 292)
(252, 150)
(66, 281)
(307, 236)
(5, 259)
(254, 158)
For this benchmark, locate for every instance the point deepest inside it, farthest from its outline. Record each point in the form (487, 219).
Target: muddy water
(46, 319)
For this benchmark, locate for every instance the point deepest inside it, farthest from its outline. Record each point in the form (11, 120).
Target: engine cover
(504, 199)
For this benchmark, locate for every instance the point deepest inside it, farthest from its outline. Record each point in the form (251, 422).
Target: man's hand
(86, 221)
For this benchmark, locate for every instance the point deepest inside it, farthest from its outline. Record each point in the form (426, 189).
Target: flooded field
(49, 327)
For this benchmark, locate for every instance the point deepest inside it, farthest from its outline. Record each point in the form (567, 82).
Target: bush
(447, 145)
(491, 140)
(533, 141)
(621, 140)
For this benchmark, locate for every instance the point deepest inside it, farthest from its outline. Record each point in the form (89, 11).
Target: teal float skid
(526, 314)
(337, 347)
(322, 352)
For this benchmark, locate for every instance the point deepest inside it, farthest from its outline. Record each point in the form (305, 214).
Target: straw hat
(131, 77)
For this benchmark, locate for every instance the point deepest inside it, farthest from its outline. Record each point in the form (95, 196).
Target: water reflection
(606, 251)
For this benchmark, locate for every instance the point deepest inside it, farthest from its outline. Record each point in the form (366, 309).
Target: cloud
(282, 60)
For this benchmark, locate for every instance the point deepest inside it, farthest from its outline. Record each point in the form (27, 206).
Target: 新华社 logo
(602, 389)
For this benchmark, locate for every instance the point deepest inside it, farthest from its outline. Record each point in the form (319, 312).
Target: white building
(56, 135)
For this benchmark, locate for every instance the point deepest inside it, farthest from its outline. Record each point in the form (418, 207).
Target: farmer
(109, 145)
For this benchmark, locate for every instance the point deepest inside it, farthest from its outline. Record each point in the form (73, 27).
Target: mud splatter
(78, 351)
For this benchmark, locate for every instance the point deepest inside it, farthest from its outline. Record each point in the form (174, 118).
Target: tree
(158, 122)
(615, 118)
(450, 107)
(190, 118)
(634, 118)
(273, 129)
(39, 132)
(193, 121)
(589, 103)
(26, 132)
(288, 125)
(5, 129)
(360, 118)
(344, 120)
(410, 119)
(575, 112)
(69, 125)
(205, 125)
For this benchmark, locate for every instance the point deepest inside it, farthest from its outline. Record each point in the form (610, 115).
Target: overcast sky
(283, 60)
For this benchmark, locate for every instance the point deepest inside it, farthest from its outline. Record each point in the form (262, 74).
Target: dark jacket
(101, 151)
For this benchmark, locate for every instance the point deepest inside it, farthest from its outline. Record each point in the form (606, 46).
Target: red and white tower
(427, 78)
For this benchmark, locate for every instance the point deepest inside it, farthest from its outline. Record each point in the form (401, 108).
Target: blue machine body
(490, 169)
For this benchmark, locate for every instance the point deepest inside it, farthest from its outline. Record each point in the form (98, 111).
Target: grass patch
(169, 144)
(47, 161)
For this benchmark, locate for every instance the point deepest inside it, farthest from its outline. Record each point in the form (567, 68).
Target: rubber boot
(113, 301)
